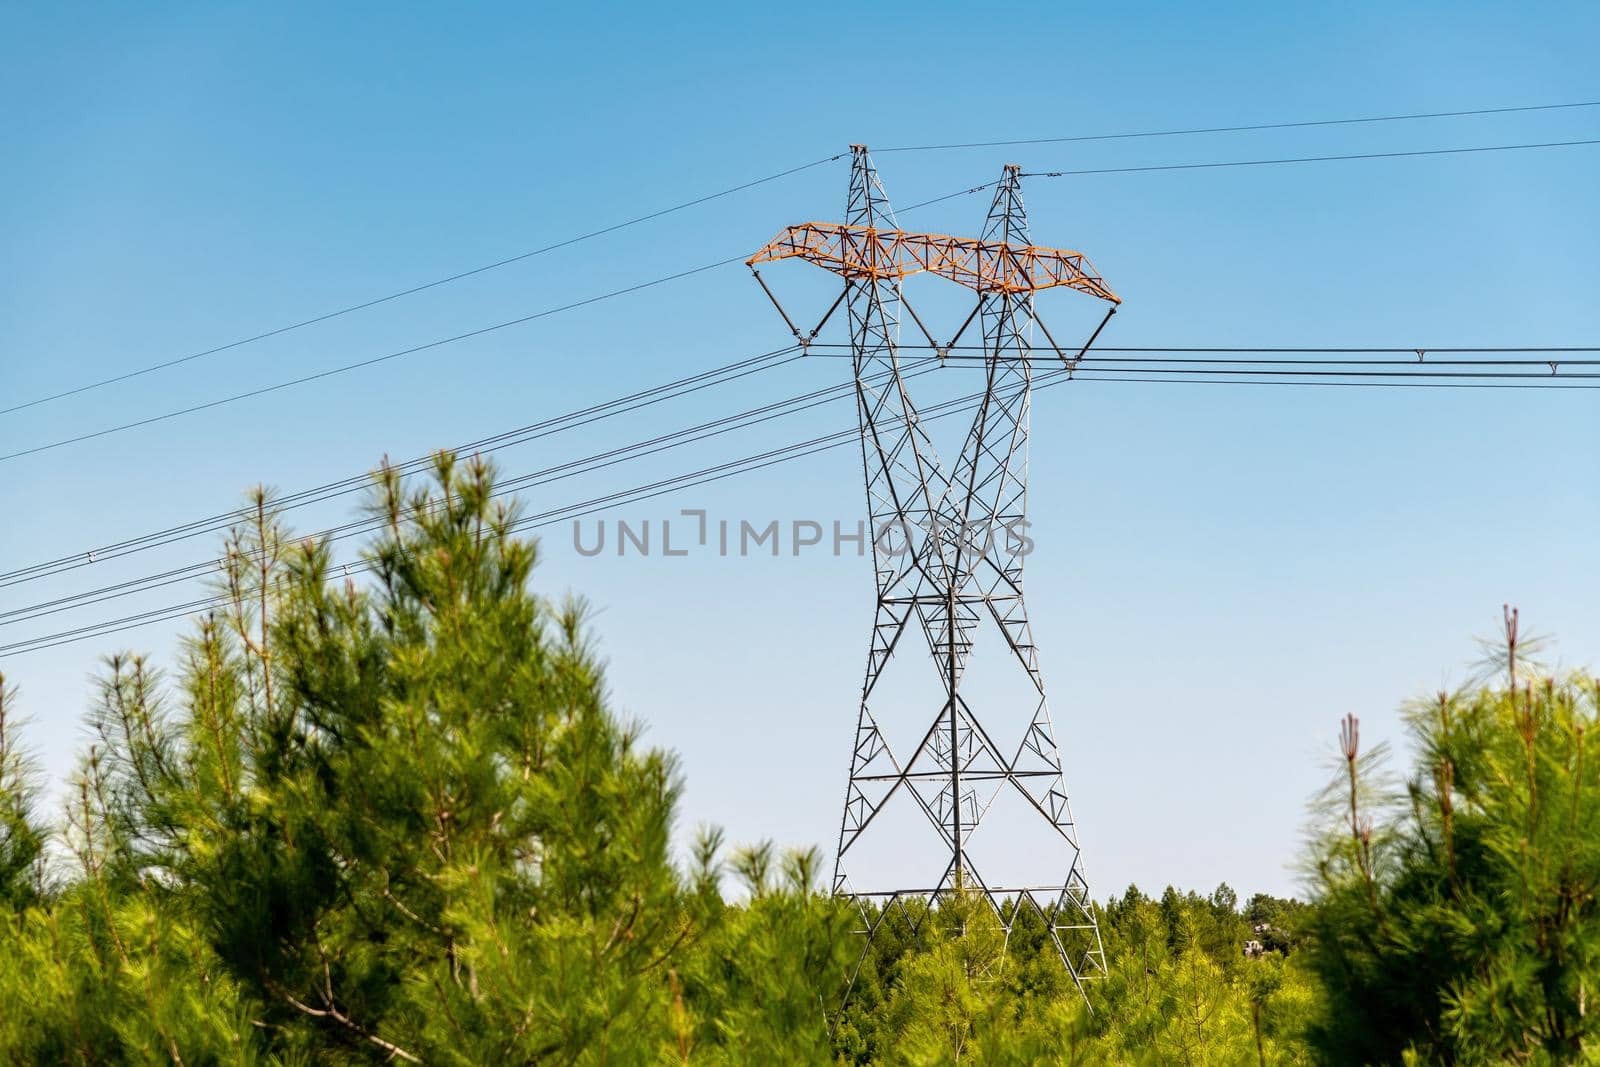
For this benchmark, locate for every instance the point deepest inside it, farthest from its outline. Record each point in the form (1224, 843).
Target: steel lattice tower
(944, 552)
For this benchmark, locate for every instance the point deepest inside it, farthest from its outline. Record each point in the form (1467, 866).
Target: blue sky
(1222, 572)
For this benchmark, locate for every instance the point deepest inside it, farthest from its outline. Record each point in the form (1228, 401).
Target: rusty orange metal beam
(862, 252)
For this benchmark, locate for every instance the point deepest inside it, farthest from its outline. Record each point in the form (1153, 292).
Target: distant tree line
(399, 823)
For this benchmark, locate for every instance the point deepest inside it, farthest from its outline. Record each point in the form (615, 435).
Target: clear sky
(1222, 571)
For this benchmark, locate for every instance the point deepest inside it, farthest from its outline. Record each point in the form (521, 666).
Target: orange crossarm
(860, 252)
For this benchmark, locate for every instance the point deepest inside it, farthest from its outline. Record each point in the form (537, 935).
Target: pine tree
(1459, 923)
(21, 835)
(392, 823)
(761, 983)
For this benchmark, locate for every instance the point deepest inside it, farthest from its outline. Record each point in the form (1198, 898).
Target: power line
(696, 201)
(1149, 380)
(413, 290)
(1315, 368)
(747, 464)
(1307, 159)
(1297, 372)
(83, 633)
(968, 354)
(510, 485)
(581, 417)
(729, 261)
(1228, 163)
(546, 476)
(1416, 349)
(704, 476)
(359, 364)
(946, 196)
(1278, 367)
(1239, 129)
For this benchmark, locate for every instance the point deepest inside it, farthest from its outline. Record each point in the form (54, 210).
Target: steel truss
(939, 579)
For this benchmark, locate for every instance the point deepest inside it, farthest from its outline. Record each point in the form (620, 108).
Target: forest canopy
(398, 821)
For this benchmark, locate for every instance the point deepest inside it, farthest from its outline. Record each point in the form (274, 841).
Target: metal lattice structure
(941, 566)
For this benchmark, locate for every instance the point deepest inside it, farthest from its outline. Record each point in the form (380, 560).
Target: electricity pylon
(947, 545)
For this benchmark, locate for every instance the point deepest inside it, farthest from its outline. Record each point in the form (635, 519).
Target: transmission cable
(581, 417)
(546, 476)
(739, 258)
(363, 363)
(326, 316)
(1317, 369)
(695, 202)
(1281, 367)
(1419, 351)
(1245, 163)
(706, 475)
(1542, 383)
(716, 473)
(1306, 159)
(1240, 129)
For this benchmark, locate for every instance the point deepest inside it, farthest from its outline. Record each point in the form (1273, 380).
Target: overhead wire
(747, 464)
(1278, 372)
(1249, 163)
(1085, 373)
(971, 354)
(545, 476)
(411, 291)
(1544, 383)
(650, 490)
(361, 364)
(706, 198)
(770, 360)
(1280, 349)
(1241, 129)
(581, 417)
(1306, 159)
(1086, 366)
(1308, 368)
